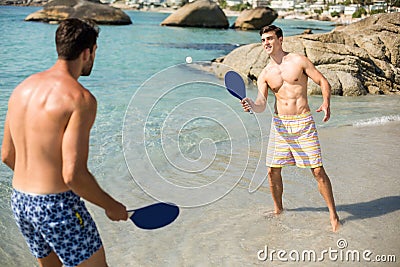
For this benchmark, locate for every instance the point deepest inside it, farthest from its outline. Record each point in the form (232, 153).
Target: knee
(274, 174)
(320, 174)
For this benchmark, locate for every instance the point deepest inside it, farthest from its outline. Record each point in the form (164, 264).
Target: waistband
(293, 117)
(46, 197)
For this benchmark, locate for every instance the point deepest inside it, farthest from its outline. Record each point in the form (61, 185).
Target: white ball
(189, 60)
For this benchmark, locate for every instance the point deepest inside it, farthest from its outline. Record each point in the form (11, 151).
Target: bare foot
(335, 224)
(271, 213)
(278, 211)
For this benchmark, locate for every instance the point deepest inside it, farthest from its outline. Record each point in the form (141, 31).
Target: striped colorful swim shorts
(293, 140)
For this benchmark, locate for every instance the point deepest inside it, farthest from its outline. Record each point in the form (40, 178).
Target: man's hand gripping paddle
(235, 85)
(154, 216)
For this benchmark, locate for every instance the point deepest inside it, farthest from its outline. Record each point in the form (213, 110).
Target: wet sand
(362, 163)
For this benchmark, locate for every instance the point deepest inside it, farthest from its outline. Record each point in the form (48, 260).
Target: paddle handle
(250, 111)
(130, 213)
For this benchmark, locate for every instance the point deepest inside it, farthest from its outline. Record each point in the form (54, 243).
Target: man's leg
(276, 187)
(325, 188)
(51, 260)
(98, 259)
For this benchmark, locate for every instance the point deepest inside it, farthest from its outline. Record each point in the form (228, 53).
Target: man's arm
(320, 79)
(7, 148)
(75, 150)
(261, 100)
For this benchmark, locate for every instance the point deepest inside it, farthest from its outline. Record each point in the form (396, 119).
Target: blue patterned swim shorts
(56, 222)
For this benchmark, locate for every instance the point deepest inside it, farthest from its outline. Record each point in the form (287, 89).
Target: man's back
(39, 112)
(46, 144)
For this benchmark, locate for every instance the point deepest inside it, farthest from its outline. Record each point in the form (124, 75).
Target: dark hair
(272, 28)
(73, 36)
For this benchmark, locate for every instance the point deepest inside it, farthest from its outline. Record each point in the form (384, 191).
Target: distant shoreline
(344, 20)
(228, 13)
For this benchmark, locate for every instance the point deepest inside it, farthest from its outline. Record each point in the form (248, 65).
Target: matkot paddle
(235, 85)
(154, 216)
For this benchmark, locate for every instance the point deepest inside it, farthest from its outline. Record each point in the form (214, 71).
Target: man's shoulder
(60, 86)
(296, 56)
(264, 71)
(83, 97)
(67, 86)
(298, 60)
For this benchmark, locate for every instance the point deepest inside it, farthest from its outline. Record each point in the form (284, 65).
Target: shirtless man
(46, 144)
(293, 139)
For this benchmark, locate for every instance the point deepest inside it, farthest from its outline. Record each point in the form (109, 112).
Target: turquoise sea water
(159, 110)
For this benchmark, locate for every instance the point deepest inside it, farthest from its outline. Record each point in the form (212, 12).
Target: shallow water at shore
(359, 147)
(231, 231)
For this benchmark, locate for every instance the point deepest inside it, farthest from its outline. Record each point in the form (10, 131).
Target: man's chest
(284, 74)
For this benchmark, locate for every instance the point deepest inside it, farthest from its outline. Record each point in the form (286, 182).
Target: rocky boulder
(358, 59)
(58, 10)
(255, 19)
(201, 13)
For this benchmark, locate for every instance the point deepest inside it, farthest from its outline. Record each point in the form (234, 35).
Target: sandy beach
(233, 230)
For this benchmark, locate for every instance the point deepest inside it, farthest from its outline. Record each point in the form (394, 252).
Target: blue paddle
(154, 216)
(235, 85)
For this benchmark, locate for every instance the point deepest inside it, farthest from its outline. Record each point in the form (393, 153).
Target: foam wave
(377, 121)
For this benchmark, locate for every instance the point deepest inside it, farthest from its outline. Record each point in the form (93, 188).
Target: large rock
(58, 10)
(361, 58)
(201, 13)
(255, 19)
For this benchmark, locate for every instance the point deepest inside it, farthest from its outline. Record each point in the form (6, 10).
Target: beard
(87, 69)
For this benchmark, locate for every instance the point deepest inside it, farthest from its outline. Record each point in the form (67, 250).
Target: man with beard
(46, 144)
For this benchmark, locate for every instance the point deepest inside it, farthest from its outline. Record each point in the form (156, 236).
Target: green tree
(335, 14)
(240, 7)
(347, 2)
(376, 11)
(318, 11)
(361, 11)
(222, 3)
